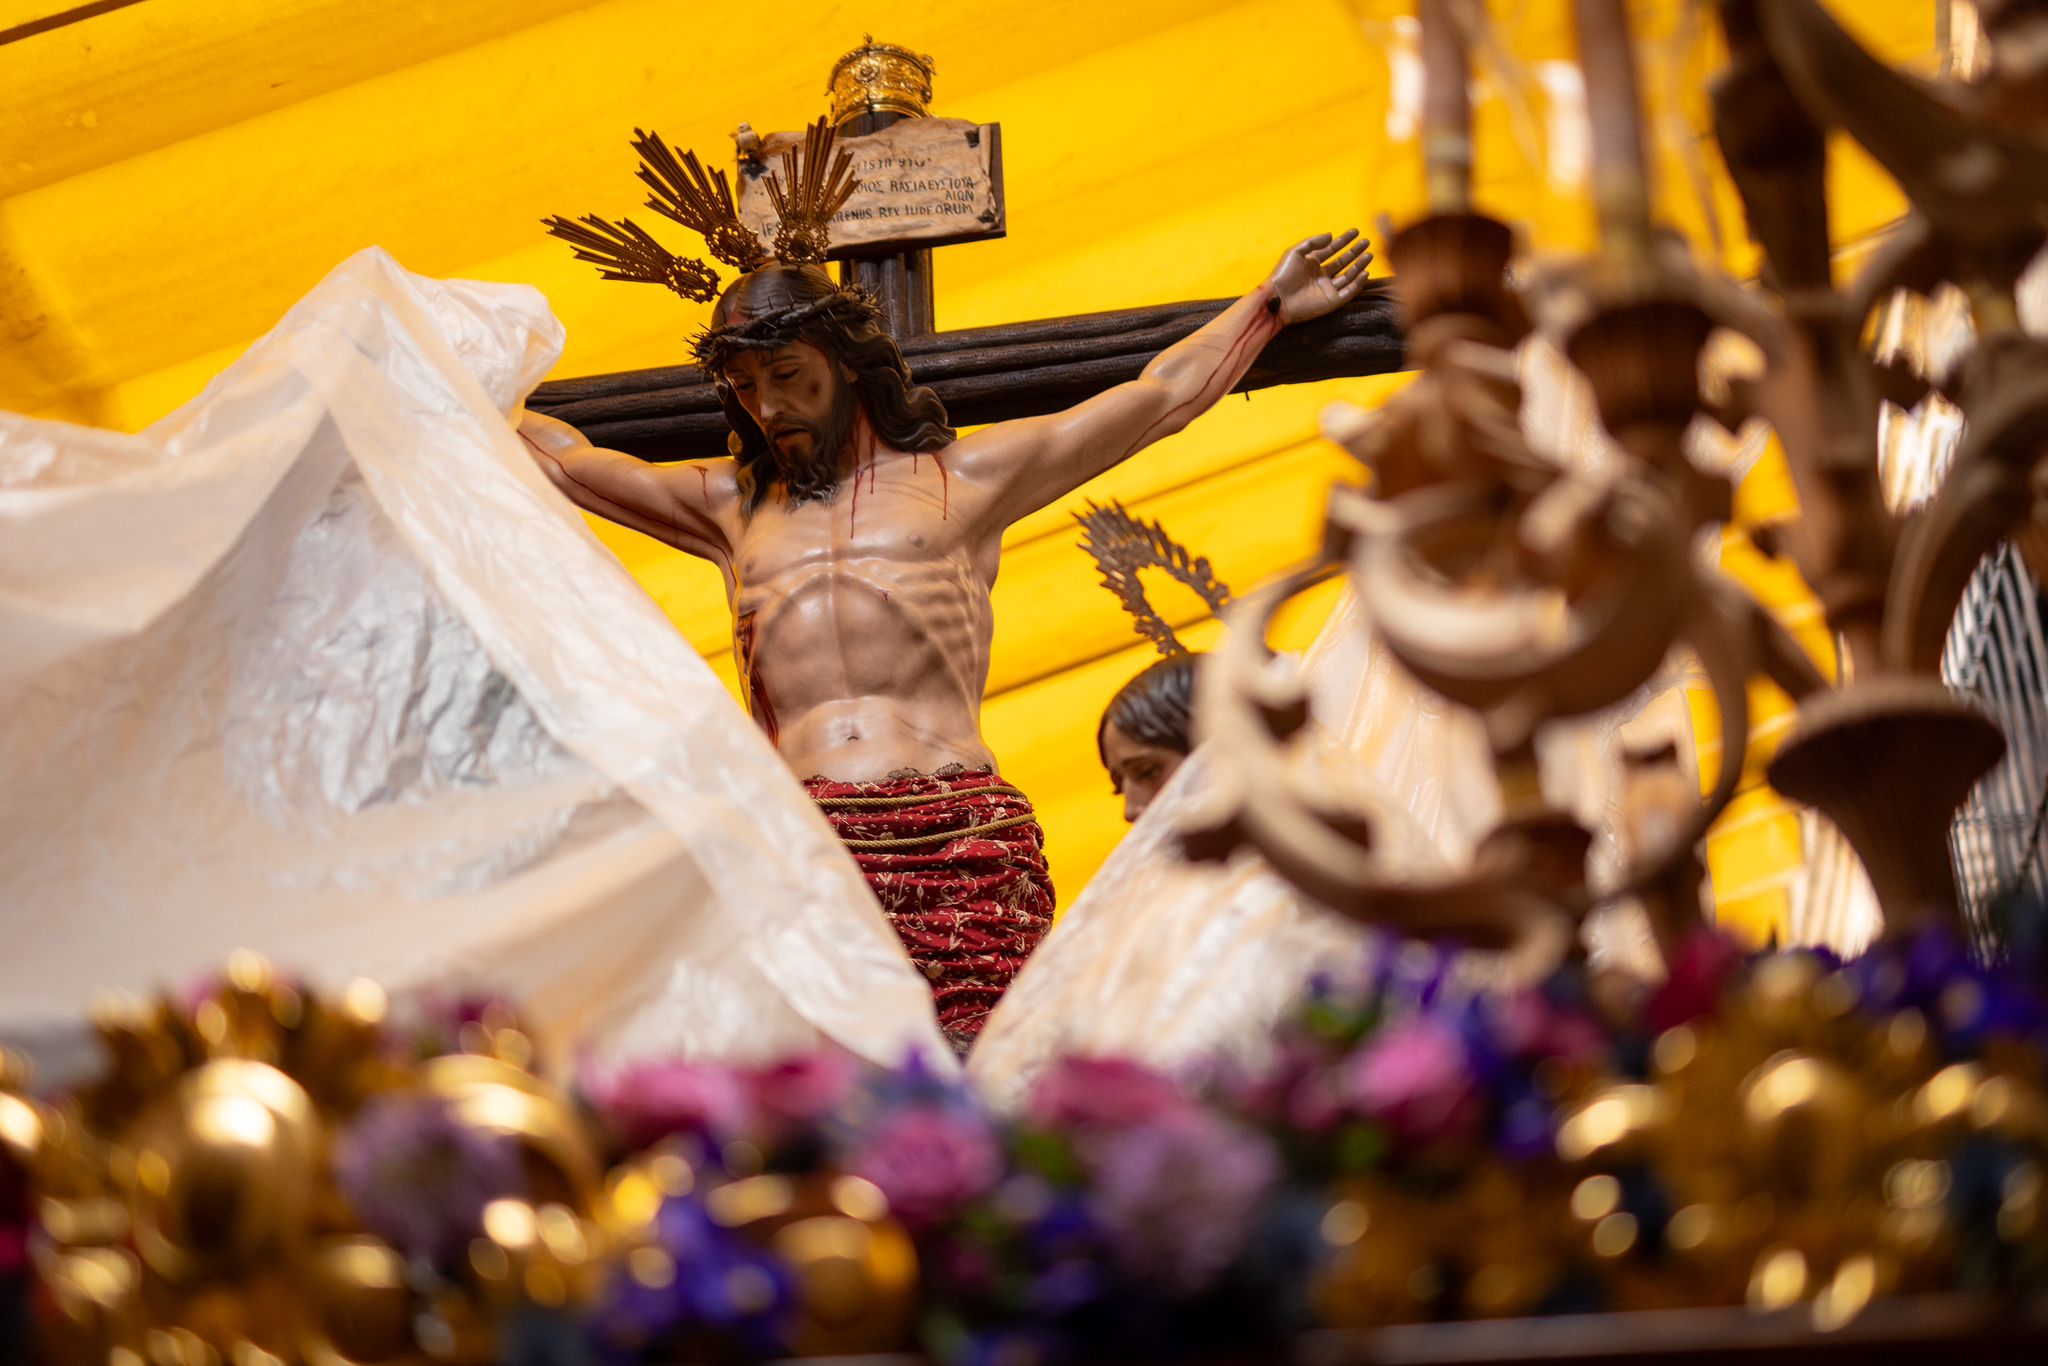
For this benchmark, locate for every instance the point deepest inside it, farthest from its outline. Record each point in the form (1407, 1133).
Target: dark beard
(816, 477)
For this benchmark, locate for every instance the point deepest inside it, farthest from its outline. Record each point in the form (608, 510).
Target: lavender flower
(1177, 1198)
(419, 1178)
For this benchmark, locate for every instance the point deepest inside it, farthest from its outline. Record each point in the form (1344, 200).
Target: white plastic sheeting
(321, 666)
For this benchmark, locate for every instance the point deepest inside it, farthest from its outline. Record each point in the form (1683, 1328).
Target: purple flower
(419, 1178)
(1415, 1078)
(930, 1161)
(1103, 1092)
(648, 1102)
(1177, 1198)
(798, 1093)
(712, 1282)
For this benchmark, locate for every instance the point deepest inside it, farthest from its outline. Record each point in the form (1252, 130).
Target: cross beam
(987, 374)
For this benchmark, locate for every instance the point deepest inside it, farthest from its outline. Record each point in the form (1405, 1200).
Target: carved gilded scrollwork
(1530, 593)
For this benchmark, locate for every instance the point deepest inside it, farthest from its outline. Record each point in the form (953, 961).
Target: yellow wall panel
(173, 175)
(105, 88)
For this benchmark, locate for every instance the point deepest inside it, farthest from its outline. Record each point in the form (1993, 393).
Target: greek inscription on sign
(924, 183)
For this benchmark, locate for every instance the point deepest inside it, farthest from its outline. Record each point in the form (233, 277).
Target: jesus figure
(859, 539)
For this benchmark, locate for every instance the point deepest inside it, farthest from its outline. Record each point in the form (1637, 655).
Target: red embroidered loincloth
(957, 860)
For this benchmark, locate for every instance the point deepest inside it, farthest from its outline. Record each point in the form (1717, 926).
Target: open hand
(1320, 275)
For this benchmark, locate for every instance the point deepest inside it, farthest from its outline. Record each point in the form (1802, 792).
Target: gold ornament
(878, 78)
(635, 1191)
(359, 1308)
(1805, 1121)
(223, 1173)
(488, 1093)
(1614, 1123)
(93, 1307)
(1382, 1268)
(855, 1266)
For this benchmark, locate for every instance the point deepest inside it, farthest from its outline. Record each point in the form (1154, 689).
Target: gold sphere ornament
(1806, 1124)
(855, 1266)
(223, 1173)
(358, 1305)
(544, 1255)
(1616, 1123)
(91, 1308)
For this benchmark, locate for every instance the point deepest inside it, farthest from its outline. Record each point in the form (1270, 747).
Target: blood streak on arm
(1230, 367)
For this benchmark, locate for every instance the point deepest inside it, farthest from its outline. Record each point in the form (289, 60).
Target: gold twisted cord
(912, 799)
(937, 837)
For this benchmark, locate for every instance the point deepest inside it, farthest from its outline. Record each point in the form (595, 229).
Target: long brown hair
(780, 304)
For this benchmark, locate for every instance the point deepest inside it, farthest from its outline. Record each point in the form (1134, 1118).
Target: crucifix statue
(858, 536)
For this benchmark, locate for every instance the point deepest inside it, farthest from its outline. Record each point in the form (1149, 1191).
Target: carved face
(1137, 770)
(801, 400)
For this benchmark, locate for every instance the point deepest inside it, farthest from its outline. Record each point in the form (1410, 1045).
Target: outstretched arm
(1031, 462)
(675, 505)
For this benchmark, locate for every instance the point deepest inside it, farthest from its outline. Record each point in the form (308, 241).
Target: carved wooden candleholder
(1531, 594)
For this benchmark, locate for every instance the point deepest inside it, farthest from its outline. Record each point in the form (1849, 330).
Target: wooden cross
(982, 374)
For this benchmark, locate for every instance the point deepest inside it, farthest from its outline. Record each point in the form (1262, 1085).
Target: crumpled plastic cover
(321, 666)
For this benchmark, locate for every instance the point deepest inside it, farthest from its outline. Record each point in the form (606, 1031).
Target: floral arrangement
(269, 1172)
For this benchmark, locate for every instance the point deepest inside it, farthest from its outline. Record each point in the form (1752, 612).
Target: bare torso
(862, 623)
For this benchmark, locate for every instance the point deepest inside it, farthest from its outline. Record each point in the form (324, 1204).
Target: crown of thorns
(1123, 545)
(811, 185)
(851, 306)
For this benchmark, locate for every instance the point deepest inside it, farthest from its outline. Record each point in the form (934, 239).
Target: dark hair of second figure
(1145, 731)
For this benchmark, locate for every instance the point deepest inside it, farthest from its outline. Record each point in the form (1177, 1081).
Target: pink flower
(798, 1092)
(930, 1161)
(651, 1101)
(16, 1216)
(1415, 1078)
(1534, 1027)
(1104, 1092)
(1699, 975)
